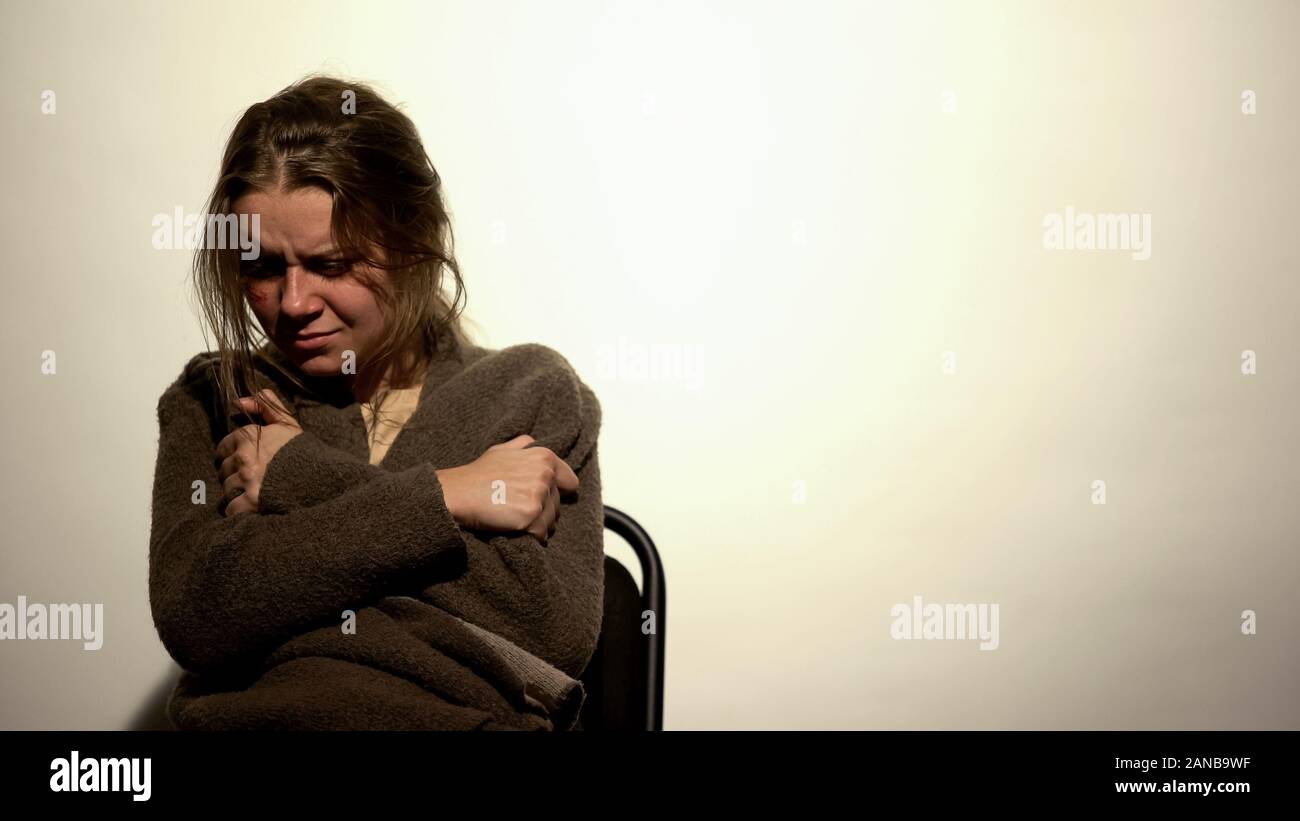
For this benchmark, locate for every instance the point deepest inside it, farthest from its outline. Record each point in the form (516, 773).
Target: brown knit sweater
(454, 628)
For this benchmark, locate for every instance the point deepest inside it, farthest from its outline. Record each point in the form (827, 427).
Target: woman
(367, 521)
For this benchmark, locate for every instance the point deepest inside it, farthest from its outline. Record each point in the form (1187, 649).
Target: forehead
(293, 223)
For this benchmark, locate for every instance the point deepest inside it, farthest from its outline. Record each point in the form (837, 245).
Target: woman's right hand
(527, 498)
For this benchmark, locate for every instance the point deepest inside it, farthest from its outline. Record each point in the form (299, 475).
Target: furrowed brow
(328, 255)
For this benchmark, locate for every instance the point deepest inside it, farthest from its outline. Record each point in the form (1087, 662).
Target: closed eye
(332, 267)
(269, 266)
(260, 269)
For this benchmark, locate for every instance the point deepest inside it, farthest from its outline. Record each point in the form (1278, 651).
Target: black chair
(625, 678)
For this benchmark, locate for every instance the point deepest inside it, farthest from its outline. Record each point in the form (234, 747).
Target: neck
(364, 386)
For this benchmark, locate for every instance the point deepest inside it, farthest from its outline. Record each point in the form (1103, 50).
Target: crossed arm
(335, 531)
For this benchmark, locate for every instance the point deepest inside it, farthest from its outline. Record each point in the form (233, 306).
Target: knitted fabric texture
(454, 628)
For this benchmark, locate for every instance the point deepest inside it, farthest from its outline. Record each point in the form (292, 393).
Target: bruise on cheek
(257, 294)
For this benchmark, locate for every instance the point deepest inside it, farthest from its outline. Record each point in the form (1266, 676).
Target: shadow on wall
(153, 715)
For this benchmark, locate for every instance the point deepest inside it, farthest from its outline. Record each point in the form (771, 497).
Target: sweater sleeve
(225, 590)
(306, 471)
(546, 598)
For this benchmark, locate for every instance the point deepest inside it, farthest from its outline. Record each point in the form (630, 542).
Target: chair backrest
(625, 677)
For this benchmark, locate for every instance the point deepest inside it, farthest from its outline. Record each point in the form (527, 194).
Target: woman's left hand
(246, 452)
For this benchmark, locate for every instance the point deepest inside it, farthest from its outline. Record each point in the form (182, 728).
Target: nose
(299, 300)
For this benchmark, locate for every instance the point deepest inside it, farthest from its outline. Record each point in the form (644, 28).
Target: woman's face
(299, 287)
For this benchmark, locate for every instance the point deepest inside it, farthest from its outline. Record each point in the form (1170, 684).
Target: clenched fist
(246, 452)
(527, 498)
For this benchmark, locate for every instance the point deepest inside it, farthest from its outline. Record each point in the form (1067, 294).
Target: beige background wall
(813, 201)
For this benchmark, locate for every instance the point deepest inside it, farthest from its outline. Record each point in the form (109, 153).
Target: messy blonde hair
(388, 212)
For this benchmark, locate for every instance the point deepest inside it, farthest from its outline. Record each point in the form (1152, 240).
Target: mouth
(311, 342)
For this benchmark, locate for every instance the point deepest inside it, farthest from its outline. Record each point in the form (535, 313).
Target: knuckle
(534, 508)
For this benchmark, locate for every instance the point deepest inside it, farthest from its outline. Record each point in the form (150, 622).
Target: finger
(229, 465)
(239, 507)
(565, 478)
(251, 409)
(232, 487)
(541, 525)
(232, 465)
(236, 506)
(537, 527)
(224, 447)
(273, 408)
(550, 509)
(564, 475)
(268, 405)
(523, 440)
(230, 443)
(555, 510)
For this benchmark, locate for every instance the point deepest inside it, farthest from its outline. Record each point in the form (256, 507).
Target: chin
(320, 364)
